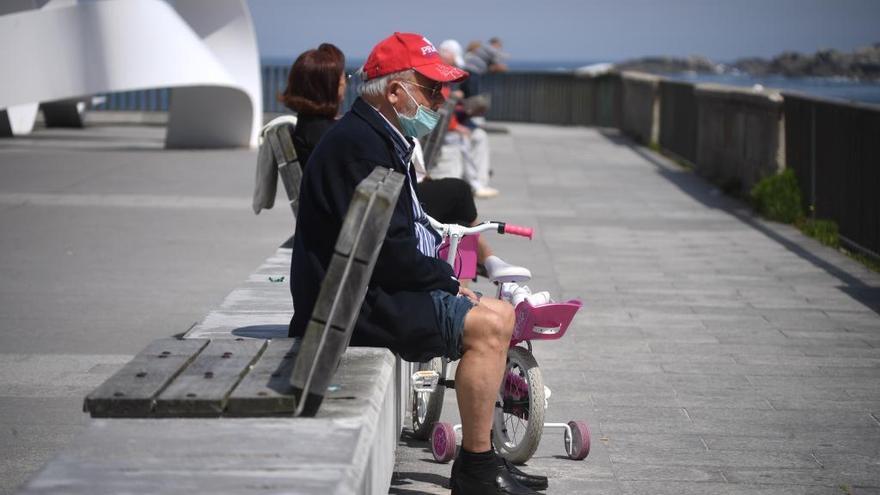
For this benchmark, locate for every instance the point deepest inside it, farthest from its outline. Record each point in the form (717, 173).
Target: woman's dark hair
(313, 83)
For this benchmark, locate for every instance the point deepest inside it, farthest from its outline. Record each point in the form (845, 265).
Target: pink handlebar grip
(517, 230)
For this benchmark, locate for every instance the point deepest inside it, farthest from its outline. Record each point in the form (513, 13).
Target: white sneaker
(539, 298)
(486, 193)
(515, 293)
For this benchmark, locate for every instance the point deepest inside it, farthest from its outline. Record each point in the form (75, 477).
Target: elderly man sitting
(414, 306)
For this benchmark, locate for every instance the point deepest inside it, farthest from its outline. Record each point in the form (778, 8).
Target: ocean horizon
(825, 87)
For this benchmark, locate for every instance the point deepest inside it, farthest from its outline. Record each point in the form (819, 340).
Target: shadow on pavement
(262, 331)
(402, 479)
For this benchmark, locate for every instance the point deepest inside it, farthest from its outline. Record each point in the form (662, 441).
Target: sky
(575, 30)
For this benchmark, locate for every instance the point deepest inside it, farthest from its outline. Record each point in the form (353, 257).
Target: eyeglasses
(436, 90)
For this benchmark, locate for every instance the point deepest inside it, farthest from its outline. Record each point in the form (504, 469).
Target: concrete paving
(716, 353)
(108, 242)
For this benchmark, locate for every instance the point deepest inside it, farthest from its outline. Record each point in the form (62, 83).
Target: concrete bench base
(347, 449)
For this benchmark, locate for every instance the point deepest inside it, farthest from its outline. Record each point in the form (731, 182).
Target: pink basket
(466, 259)
(543, 322)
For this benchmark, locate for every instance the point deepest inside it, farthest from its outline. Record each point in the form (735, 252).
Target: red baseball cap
(402, 51)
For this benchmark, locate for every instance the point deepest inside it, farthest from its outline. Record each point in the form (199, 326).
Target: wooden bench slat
(202, 388)
(375, 225)
(358, 209)
(288, 163)
(286, 141)
(266, 390)
(131, 391)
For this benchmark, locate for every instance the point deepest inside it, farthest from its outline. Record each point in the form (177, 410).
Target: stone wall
(641, 109)
(678, 119)
(739, 135)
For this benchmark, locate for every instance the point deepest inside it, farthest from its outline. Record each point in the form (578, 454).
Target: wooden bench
(212, 378)
(205, 414)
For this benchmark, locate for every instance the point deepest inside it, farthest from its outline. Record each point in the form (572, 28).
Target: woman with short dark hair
(315, 90)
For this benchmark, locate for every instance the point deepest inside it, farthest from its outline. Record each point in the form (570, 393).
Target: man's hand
(464, 291)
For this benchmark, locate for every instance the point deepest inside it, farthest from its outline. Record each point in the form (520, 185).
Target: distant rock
(666, 65)
(863, 63)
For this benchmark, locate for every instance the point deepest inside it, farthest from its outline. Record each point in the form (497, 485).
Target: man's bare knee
(506, 317)
(489, 329)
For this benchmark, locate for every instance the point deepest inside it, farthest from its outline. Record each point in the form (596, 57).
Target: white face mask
(420, 124)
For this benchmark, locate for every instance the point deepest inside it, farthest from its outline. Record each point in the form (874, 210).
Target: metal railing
(831, 145)
(678, 119)
(834, 150)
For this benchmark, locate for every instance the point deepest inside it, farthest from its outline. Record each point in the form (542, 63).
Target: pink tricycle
(522, 401)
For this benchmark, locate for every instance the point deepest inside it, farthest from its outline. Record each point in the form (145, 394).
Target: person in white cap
(413, 305)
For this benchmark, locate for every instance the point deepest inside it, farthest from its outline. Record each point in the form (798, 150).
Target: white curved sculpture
(18, 119)
(206, 51)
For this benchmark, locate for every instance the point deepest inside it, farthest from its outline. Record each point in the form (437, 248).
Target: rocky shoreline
(861, 64)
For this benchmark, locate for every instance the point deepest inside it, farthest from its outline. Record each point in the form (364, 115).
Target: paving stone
(808, 441)
(788, 418)
(816, 476)
(716, 459)
(723, 488)
(641, 472)
(738, 369)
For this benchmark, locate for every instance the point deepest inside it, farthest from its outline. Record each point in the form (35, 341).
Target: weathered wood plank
(375, 225)
(283, 133)
(329, 330)
(358, 209)
(291, 171)
(132, 390)
(288, 163)
(266, 390)
(202, 388)
(275, 144)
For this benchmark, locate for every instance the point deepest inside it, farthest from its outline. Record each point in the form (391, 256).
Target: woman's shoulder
(311, 127)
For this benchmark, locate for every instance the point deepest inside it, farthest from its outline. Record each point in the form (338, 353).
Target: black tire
(425, 407)
(519, 422)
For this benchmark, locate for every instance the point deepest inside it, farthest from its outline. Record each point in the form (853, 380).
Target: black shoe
(498, 482)
(533, 481)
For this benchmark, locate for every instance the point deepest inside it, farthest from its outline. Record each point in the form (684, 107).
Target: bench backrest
(279, 140)
(345, 284)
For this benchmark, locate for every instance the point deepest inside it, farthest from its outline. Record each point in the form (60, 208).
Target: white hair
(454, 49)
(376, 87)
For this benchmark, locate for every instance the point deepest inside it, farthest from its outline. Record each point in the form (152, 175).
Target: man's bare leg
(480, 471)
(487, 330)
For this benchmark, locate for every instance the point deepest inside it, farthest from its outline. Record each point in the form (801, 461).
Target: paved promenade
(717, 353)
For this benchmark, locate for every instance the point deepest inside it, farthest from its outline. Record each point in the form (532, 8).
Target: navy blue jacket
(398, 311)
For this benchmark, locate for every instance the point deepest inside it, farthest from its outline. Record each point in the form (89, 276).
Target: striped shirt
(428, 238)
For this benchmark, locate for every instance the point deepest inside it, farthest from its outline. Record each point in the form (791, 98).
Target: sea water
(826, 87)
